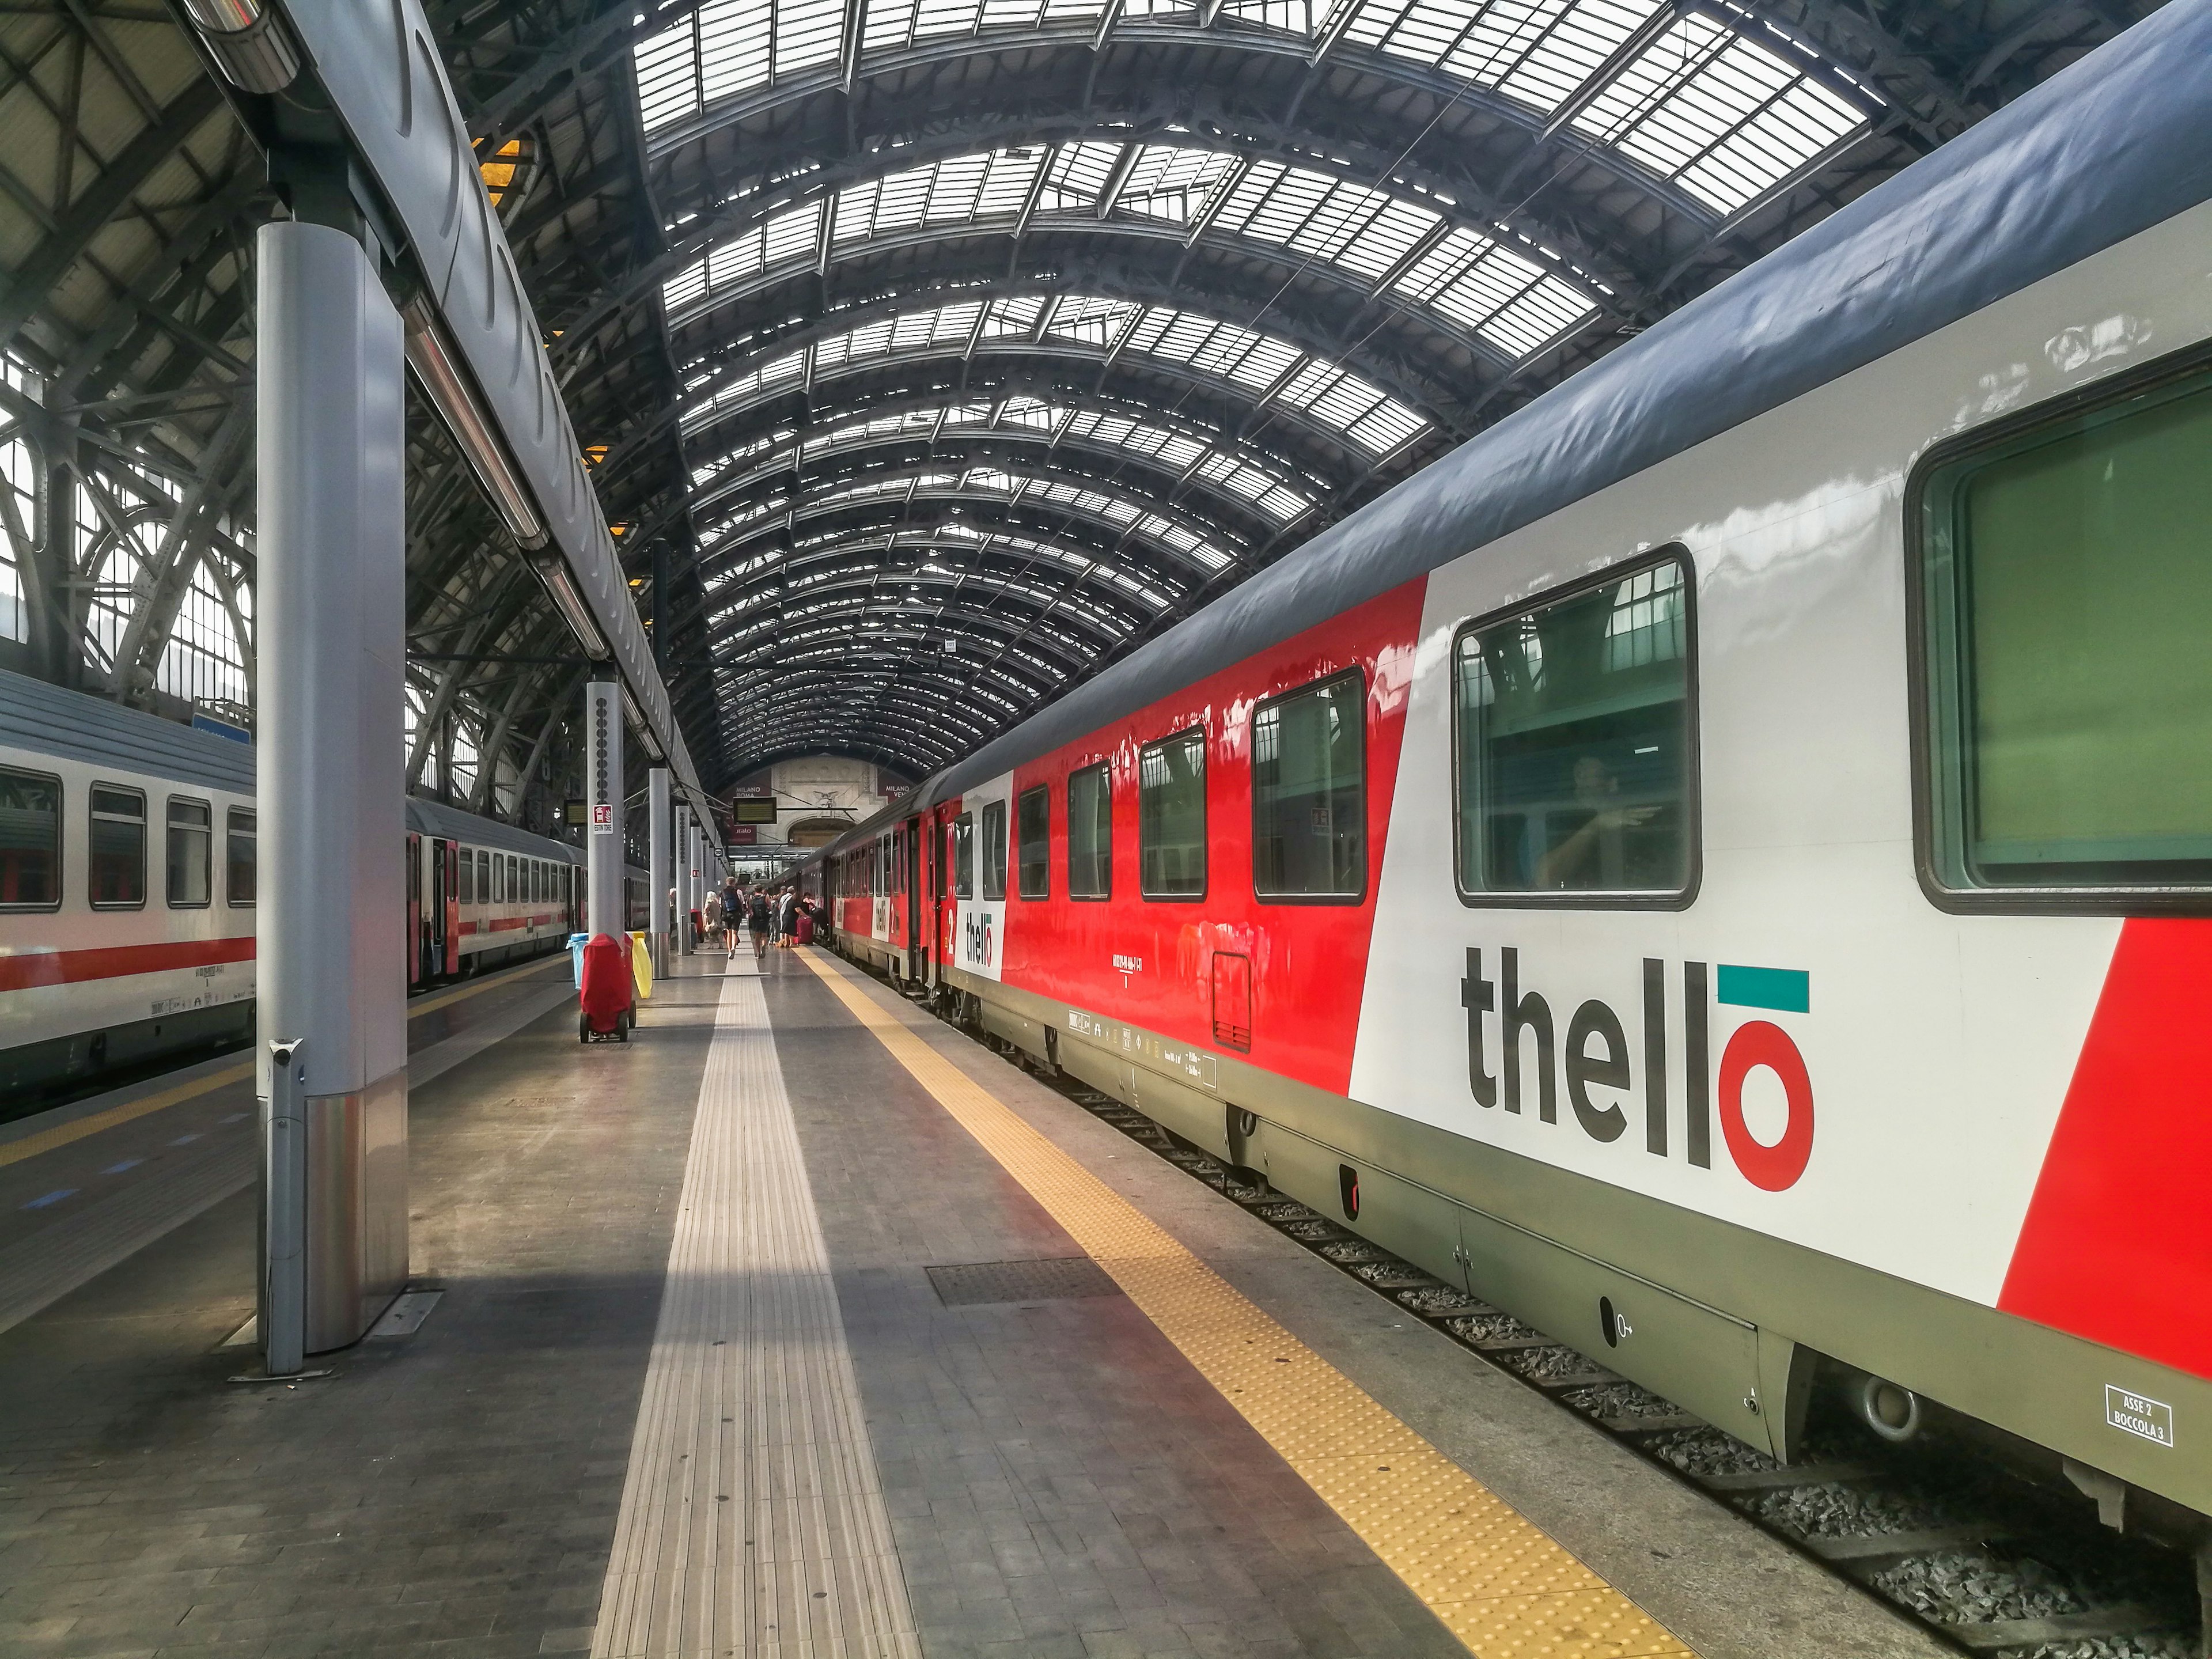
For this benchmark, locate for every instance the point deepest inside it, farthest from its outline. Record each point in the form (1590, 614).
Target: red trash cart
(608, 992)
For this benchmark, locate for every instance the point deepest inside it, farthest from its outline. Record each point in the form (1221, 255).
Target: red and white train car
(1721, 866)
(128, 876)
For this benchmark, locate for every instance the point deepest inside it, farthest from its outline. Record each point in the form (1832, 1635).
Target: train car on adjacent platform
(1721, 865)
(129, 874)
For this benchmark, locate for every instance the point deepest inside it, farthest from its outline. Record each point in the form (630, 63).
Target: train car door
(414, 909)
(449, 870)
(916, 957)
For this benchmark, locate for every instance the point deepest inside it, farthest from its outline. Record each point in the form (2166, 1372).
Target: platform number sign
(603, 810)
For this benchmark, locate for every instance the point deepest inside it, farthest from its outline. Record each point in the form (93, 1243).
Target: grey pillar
(656, 864)
(602, 790)
(684, 900)
(330, 639)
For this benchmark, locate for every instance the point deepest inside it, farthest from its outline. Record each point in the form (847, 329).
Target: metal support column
(683, 895)
(603, 782)
(659, 890)
(331, 643)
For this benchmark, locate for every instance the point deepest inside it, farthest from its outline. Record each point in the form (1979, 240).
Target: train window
(484, 878)
(963, 856)
(2067, 694)
(1033, 834)
(30, 841)
(119, 848)
(191, 848)
(1172, 817)
(1574, 745)
(242, 856)
(1309, 793)
(1090, 833)
(995, 849)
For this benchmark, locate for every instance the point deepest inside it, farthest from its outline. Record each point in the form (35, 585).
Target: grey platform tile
(1054, 1462)
(436, 1496)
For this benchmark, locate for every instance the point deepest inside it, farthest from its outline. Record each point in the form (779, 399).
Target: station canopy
(929, 355)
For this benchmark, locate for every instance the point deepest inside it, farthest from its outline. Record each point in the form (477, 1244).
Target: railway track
(1990, 1564)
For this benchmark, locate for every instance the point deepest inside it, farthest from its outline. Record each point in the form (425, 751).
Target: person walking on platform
(733, 909)
(713, 913)
(786, 914)
(758, 920)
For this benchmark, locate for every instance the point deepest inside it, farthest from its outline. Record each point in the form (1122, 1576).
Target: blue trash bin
(576, 943)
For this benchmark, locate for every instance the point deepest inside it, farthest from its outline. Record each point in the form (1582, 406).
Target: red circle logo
(1758, 1043)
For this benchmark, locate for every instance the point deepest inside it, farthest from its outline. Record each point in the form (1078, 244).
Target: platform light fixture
(246, 39)
(433, 361)
(553, 571)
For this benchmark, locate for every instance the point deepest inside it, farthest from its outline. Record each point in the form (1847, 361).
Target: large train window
(995, 849)
(1309, 793)
(118, 866)
(1090, 833)
(1033, 835)
(2064, 577)
(30, 841)
(963, 856)
(191, 853)
(1575, 744)
(242, 856)
(1172, 817)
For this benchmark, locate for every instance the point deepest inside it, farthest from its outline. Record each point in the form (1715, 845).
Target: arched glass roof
(1182, 447)
(1706, 96)
(1112, 506)
(1263, 365)
(1500, 287)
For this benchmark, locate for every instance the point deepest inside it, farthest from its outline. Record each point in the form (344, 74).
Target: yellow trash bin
(641, 966)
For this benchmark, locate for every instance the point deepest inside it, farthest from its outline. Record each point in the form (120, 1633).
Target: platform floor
(803, 1328)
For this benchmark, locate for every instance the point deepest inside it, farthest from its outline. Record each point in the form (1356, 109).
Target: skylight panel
(1337, 398)
(667, 67)
(1541, 54)
(737, 42)
(1249, 359)
(808, 34)
(1277, 500)
(1721, 115)
(1090, 320)
(1512, 302)
(1079, 174)
(1172, 184)
(964, 189)
(770, 377)
(1365, 230)
(786, 236)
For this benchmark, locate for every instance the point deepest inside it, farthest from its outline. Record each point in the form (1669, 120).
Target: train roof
(74, 725)
(77, 726)
(2111, 146)
(431, 817)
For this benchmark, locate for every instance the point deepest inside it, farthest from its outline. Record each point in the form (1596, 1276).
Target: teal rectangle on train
(1785, 990)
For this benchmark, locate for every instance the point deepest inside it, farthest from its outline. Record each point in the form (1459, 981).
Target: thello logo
(1596, 1054)
(976, 937)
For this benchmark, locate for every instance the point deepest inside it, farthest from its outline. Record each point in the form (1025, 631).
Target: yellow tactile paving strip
(45, 1141)
(1498, 1582)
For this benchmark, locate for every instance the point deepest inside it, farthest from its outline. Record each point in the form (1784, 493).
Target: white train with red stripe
(128, 886)
(1721, 865)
